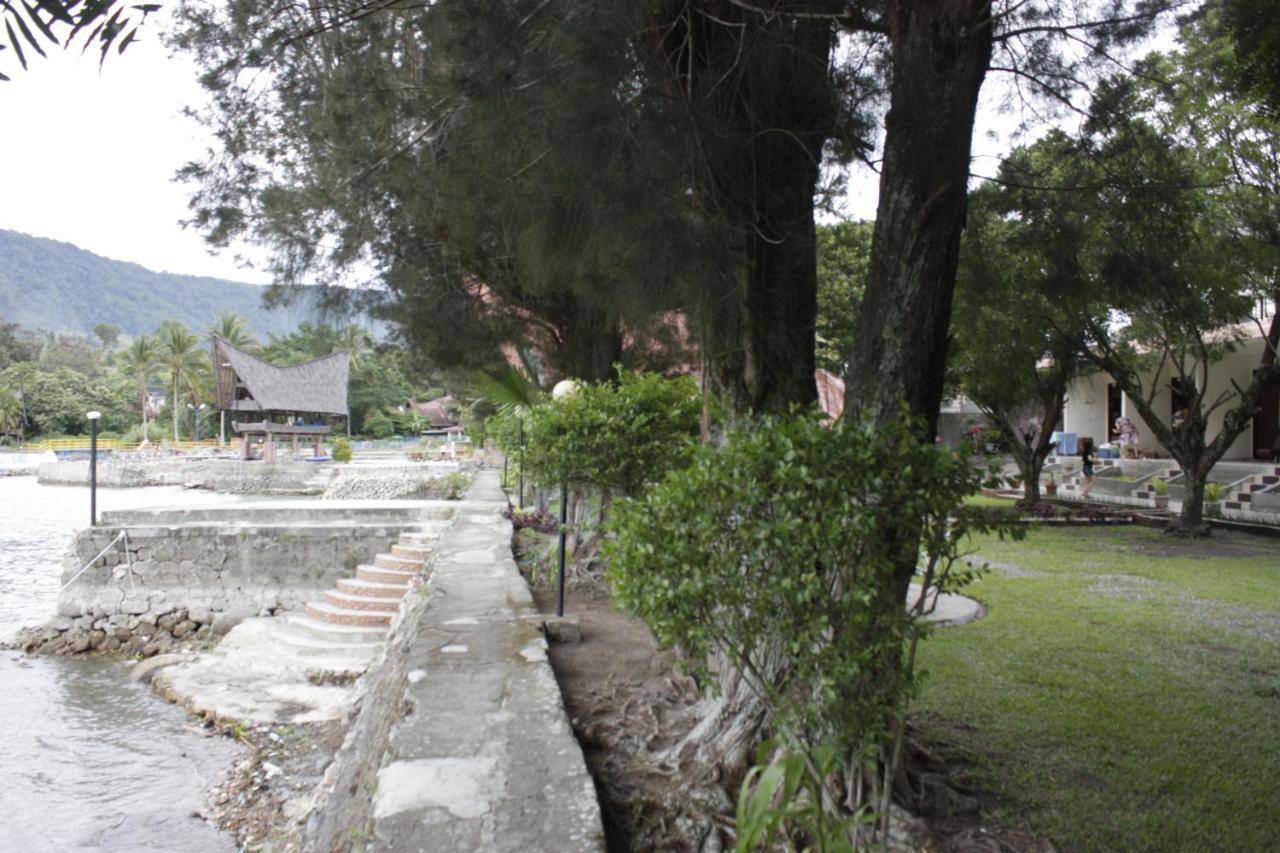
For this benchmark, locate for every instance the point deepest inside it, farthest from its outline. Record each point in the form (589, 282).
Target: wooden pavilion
(296, 402)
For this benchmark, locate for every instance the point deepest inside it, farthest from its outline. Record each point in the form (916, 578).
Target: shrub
(1160, 486)
(615, 436)
(341, 450)
(1212, 492)
(781, 542)
(378, 425)
(133, 435)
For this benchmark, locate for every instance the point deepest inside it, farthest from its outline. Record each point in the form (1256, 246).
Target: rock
(111, 644)
(135, 606)
(144, 630)
(144, 670)
(160, 608)
(152, 649)
(200, 615)
(122, 634)
(100, 624)
(59, 623)
(84, 623)
(148, 618)
(183, 628)
(222, 623)
(78, 643)
(564, 629)
(54, 646)
(96, 637)
(164, 623)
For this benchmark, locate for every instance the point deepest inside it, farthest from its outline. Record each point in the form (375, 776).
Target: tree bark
(941, 51)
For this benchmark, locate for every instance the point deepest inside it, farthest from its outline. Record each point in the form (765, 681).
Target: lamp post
(564, 389)
(197, 410)
(93, 467)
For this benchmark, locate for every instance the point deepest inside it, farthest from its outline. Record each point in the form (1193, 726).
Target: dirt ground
(626, 702)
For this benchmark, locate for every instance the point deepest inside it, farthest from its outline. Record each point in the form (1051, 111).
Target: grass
(989, 500)
(1123, 692)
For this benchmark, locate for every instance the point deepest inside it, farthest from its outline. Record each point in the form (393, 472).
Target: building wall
(1086, 409)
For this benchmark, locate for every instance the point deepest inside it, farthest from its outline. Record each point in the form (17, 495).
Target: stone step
(411, 552)
(419, 540)
(326, 612)
(378, 589)
(390, 561)
(336, 652)
(362, 602)
(308, 626)
(366, 572)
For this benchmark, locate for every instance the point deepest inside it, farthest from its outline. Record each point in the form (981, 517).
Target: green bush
(378, 425)
(1212, 492)
(1160, 486)
(781, 543)
(341, 450)
(133, 435)
(614, 436)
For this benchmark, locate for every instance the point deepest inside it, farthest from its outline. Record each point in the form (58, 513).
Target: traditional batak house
(265, 401)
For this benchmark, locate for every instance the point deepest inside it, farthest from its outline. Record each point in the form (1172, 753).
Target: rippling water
(89, 759)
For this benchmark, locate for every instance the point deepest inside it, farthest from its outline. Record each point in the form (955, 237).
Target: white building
(1094, 403)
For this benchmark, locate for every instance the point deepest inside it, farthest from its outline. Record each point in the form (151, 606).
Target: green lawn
(1123, 692)
(990, 500)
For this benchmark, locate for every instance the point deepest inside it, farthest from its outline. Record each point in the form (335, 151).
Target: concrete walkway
(461, 742)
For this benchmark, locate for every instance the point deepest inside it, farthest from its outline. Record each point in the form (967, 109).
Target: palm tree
(233, 329)
(185, 360)
(10, 412)
(140, 362)
(355, 339)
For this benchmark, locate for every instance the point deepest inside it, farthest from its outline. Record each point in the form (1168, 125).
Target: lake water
(89, 760)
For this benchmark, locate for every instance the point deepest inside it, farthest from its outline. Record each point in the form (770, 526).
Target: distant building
(273, 402)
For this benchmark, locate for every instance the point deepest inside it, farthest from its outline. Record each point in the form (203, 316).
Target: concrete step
(362, 602)
(326, 612)
(316, 629)
(419, 540)
(390, 561)
(332, 654)
(411, 552)
(377, 589)
(366, 572)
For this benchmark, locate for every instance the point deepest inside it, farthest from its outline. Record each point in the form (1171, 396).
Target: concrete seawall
(212, 567)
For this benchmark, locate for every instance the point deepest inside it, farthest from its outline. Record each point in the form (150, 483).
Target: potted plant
(1050, 485)
(1160, 486)
(1212, 499)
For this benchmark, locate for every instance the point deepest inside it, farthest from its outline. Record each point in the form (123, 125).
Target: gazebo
(280, 402)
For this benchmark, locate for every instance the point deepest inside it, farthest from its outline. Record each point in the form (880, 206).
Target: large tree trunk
(1191, 521)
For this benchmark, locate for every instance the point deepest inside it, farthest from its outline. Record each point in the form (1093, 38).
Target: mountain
(56, 287)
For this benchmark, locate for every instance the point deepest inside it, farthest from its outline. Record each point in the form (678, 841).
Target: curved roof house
(280, 400)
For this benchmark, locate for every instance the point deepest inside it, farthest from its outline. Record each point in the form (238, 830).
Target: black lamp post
(564, 389)
(93, 467)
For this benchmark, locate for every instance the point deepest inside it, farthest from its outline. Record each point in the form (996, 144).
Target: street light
(93, 467)
(564, 389)
(198, 410)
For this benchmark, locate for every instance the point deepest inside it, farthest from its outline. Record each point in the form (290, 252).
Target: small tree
(1014, 354)
(772, 553)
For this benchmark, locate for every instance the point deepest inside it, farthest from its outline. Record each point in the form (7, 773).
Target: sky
(88, 156)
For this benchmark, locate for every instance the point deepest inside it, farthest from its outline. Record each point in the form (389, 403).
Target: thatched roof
(246, 383)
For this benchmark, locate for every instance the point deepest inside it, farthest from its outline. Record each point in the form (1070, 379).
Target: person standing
(1086, 457)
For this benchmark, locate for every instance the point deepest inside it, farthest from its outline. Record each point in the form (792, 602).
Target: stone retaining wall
(209, 572)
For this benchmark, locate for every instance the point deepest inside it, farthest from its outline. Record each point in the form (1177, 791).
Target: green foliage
(107, 333)
(844, 257)
(55, 286)
(378, 425)
(614, 436)
(341, 450)
(1160, 486)
(779, 542)
(1212, 492)
(782, 798)
(56, 401)
(134, 434)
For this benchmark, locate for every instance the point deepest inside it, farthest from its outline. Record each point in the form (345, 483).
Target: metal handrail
(123, 534)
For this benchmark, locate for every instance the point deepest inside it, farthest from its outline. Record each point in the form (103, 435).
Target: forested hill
(57, 287)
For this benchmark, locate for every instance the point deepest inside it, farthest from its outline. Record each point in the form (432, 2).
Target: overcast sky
(88, 156)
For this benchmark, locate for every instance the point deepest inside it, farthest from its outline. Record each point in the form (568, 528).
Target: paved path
(485, 758)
